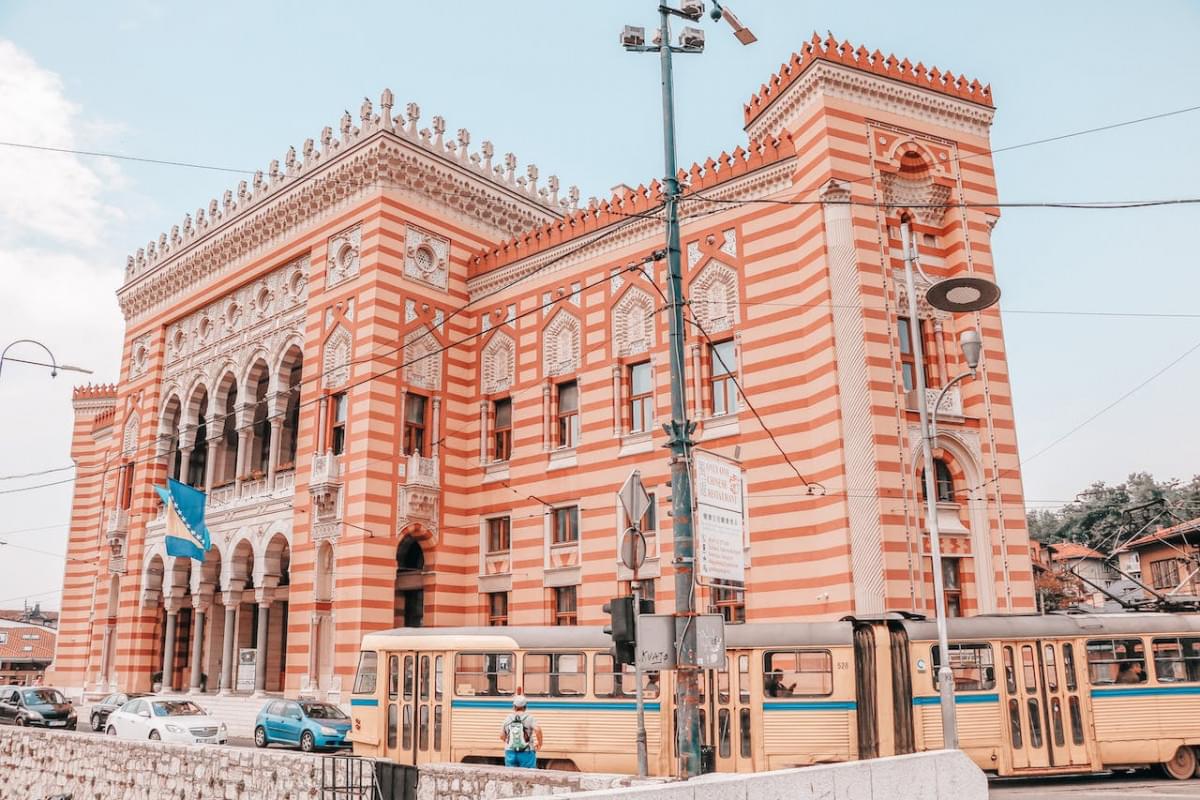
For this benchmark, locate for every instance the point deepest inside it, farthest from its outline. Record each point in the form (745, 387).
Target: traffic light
(622, 629)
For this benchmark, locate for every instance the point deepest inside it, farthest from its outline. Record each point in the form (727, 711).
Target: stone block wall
(478, 782)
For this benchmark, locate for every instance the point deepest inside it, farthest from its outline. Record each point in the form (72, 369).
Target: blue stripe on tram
(556, 705)
(1146, 691)
(959, 699)
(363, 701)
(816, 705)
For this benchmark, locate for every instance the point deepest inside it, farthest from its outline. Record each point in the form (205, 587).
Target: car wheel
(1182, 766)
(307, 742)
(96, 723)
(155, 736)
(111, 731)
(20, 722)
(260, 737)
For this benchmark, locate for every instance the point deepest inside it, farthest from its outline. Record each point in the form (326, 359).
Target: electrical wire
(36, 474)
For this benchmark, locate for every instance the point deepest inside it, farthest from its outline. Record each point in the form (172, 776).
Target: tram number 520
(843, 665)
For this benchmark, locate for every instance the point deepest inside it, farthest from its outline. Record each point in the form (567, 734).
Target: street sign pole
(635, 500)
(636, 586)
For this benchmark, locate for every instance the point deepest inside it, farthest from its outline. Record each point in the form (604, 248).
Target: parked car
(299, 722)
(165, 719)
(36, 706)
(100, 711)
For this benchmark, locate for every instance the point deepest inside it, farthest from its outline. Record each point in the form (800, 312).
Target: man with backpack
(521, 736)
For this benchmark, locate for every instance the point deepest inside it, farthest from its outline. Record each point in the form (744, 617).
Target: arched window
(943, 481)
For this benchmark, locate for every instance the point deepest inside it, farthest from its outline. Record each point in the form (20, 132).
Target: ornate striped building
(411, 379)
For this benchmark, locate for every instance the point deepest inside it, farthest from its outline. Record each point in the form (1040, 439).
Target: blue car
(312, 726)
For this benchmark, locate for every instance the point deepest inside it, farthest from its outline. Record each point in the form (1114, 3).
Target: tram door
(728, 725)
(1043, 709)
(417, 713)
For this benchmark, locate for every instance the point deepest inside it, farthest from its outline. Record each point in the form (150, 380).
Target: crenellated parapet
(872, 62)
(629, 203)
(410, 155)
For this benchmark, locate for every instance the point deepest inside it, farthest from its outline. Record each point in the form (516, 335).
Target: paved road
(1135, 786)
(234, 741)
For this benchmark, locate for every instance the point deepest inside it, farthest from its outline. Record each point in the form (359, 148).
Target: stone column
(168, 662)
(618, 415)
(239, 466)
(483, 431)
(210, 462)
(199, 614)
(232, 601)
(697, 384)
(547, 420)
(939, 340)
(436, 425)
(185, 455)
(260, 642)
(110, 629)
(276, 426)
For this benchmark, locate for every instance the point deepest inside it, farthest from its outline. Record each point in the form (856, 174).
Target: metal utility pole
(642, 759)
(679, 429)
(54, 366)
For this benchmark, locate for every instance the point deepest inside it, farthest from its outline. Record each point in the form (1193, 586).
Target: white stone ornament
(341, 257)
(426, 257)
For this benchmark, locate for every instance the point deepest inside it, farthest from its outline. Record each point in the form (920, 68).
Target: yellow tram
(1036, 695)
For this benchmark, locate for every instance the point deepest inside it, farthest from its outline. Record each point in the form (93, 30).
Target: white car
(166, 719)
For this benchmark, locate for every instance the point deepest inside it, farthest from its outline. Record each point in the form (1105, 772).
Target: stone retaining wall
(476, 782)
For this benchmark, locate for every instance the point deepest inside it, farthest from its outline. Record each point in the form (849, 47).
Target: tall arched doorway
(409, 603)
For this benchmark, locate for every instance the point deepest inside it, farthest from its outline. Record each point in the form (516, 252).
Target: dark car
(36, 706)
(101, 710)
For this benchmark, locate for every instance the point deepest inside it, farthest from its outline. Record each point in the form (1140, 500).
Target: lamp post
(954, 294)
(54, 366)
(679, 429)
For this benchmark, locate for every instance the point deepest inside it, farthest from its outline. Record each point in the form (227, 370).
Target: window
(1176, 660)
(393, 677)
(568, 414)
(971, 665)
(554, 674)
(641, 397)
(499, 534)
(1116, 661)
(564, 606)
(723, 368)
(1165, 573)
(497, 608)
(337, 437)
(364, 681)
(788, 673)
(729, 600)
(943, 482)
(608, 682)
(3, 637)
(484, 674)
(908, 366)
(952, 586)
(127, 486)
(30, 637)
(414, 424)
(566, 525)
(502, 429)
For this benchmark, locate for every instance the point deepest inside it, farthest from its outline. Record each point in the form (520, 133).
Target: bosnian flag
(187, 535)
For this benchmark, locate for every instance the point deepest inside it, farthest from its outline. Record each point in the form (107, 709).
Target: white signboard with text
(719, 520)
(247, 666)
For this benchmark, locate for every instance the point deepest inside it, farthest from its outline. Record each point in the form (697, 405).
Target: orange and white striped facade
(326, 350)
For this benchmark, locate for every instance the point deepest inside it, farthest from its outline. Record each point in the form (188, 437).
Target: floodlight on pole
(740, 31)
(972, 347)
(54, 366)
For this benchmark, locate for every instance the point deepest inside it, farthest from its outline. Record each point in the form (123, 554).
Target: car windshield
(322, 711)
(35, 697)
(176, 708)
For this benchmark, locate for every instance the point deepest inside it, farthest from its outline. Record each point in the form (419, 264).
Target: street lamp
(54, 366)
(955, 295)
(679, 430)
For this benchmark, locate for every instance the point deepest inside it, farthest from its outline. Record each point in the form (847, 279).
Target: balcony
(420, 490)
(221, 496)
(951, 403)
(325, 489)
(419, 470)
(118, 522)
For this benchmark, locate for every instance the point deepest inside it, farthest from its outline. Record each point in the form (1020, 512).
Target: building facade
(412, 378)
(26, 649)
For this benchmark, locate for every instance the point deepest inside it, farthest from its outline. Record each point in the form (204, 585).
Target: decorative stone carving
(423, 357)
(341, 256)
(729, 246)
(633, 323)
(499, 362)
(715, 297)
(560, 345)
(335, 360)
(919, 194)
(426, 257)
(139, 356)
(129, 439)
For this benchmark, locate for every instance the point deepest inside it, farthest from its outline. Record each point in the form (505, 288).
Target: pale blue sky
(225, 84)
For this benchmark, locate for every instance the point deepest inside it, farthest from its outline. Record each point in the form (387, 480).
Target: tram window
(484, 674)
(437, 678)
(1035, 723)
(393, 677)
(554, 674)
(424, 680)
(406, 731)
(724, 722)
(1069, 666)
(787, 673)
(744, 679)
(744, 725)
(364, 679)
(437, 728)
(391, 725)
(1076, 719)
(1177, 660)
(608, 683)
(971, 664)
(1116, 661)
(1010, 674)
(1056, 720)
(1014, 721)
(1029, 669)
(1051, 667)
(409, 663)
(723, 683)
(423, 728)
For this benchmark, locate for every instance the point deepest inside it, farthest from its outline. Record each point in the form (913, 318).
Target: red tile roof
(1182, 529)
(16, 636)
(1062, 551)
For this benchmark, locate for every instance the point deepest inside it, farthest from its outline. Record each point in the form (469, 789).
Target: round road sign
(633, 549)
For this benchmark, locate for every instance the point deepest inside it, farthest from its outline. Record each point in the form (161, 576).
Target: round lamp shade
(963, 294)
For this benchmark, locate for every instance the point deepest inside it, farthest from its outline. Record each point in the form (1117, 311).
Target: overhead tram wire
(37, 474)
